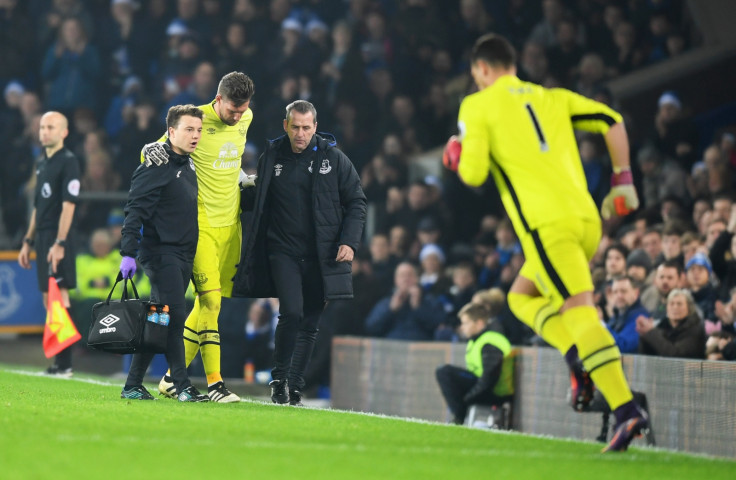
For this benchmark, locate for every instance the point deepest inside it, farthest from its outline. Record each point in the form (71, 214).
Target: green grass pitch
(80, 429)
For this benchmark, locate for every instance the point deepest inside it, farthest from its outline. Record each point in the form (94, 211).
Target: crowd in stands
(387, 78)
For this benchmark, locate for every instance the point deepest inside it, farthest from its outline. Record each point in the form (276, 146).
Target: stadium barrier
(692, 403)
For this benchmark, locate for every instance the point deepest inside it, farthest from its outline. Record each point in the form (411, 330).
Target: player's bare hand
(55, 255)
(344, 254)
(154, 153)
(24, 256)
(644, 324)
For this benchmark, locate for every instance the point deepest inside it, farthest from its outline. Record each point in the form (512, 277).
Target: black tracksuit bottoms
(169, 277)
(298, 284)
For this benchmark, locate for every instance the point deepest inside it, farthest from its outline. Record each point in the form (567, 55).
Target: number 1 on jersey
(543, 146)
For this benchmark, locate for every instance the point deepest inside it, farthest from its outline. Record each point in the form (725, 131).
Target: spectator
(626, 309)
(258, 348)
(489, 378)
(239, 51)
(342, 74)
(679, 334)
(667, 278)
(142, 128)
(722, 206)
(455, 297)
(16, 41)
(591, 73)
(428, 231)
(507, 245)
(661, 177)
(566, 54)
(638, 266)
(713, 231)
(126, 44)
(723, 258)
(691, 244)
(534, 64)
(544, 31)
(651, 242)
(71, 69)
(200, 91)
(720, 346)
(615, 261)
(407, 314)
(674, 135)
(97, 269)
(698, 271)
(120, 111)
(628, 56)
(671, 246)
(433, 279)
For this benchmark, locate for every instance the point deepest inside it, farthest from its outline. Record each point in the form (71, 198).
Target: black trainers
(581, 389)
(136, 393)
(295, 398)
(625, 432)
(279, 391)
(55, 371)
(191, 394)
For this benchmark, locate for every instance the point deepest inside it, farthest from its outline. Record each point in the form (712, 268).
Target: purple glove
(127, 267)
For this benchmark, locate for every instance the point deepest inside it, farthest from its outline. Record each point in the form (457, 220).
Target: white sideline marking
(72, 379)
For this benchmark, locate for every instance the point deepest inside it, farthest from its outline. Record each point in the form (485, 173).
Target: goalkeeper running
(523, 135)
(219, 176)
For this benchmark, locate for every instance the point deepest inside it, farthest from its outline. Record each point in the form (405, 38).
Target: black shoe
(191, 394)
(136, 393)
(295, 398)
(279, 391)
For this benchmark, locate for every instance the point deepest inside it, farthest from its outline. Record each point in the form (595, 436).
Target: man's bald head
(56, 117)
(53, 131)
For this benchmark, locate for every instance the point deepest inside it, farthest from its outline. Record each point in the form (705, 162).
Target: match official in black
(51, 226)
(163, 201)
(308, 216)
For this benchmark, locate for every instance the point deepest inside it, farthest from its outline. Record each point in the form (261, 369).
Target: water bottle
(152, 315)
(249, 372)
(164, 317)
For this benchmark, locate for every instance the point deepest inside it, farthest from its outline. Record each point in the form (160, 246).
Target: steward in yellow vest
(489, 377)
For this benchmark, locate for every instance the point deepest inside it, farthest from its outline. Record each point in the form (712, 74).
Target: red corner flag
(60, 331)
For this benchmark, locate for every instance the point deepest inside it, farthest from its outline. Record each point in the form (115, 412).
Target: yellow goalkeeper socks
(538, 313)
(599, 354)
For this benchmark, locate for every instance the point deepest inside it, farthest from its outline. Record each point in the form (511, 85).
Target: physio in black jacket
(308, 216)
(161, 229)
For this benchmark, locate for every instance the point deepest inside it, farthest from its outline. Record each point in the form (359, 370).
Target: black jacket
(162, 200)
(339, 210)
(686, 341)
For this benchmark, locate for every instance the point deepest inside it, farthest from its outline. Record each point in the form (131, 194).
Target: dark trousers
(298, 284)
(169, 277)
(455, 383)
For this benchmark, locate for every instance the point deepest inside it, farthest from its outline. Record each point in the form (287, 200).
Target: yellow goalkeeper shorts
(557, 258)
(218, 252)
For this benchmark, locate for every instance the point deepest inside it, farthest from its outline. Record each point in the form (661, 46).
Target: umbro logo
(109, 320)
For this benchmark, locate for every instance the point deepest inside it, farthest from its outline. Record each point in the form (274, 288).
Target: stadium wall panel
(692, 403)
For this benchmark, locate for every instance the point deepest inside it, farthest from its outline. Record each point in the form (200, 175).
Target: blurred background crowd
(387, 78)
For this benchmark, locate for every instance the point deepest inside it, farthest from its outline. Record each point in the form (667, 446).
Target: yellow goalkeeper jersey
(217, 161)
(523, 135)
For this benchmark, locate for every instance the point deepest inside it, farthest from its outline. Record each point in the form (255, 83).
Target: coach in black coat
(308, 216)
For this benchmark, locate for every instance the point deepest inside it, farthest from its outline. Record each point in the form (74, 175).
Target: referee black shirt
(57, 181)
(291, 226)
